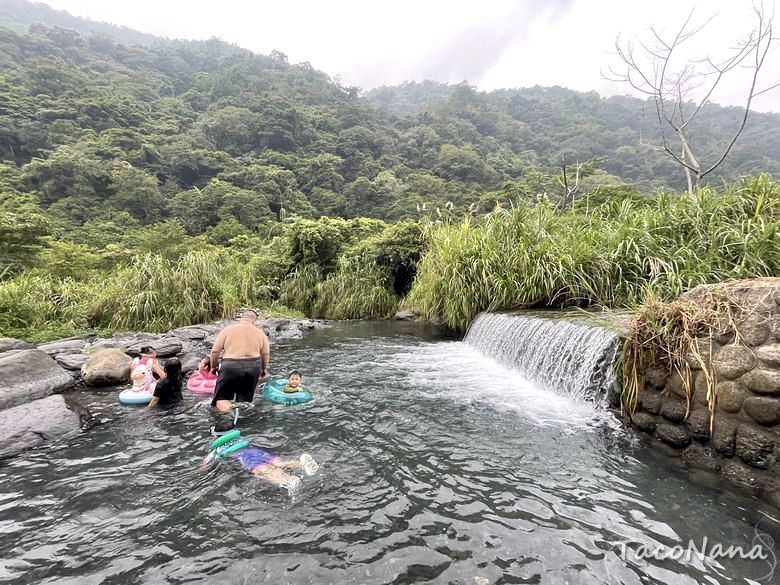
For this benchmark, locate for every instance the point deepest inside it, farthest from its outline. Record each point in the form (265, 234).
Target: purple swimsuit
(253, 457)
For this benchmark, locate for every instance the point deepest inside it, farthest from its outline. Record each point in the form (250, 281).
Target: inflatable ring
(131, 396)
(234, 447)
(226, 438)
(200, 384)
(274, 391)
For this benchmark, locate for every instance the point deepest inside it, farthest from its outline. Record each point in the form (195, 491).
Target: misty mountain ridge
(212, 122)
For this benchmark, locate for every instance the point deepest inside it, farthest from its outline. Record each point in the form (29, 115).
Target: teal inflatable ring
(226, 438)
(234, 447)
(274, 391)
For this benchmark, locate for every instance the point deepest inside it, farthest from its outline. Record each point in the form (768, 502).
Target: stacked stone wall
(741, 365)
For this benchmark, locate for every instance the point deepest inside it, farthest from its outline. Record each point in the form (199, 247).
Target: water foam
(557, 355)
(457, 371)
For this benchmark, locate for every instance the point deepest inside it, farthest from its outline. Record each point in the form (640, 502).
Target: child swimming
(294, 383)
(261, 463)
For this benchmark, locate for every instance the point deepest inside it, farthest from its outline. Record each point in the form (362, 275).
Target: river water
(437, 465)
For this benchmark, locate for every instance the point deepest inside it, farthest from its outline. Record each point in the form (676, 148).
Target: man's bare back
(245, 357)
(240, 341)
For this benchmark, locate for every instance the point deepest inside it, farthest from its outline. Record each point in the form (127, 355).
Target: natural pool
(437, 465)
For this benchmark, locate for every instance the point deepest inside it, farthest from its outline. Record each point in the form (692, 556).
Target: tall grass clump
(34, 302)
(299, 290)
(151, 293)
(154, 293)
(612, 255)
(357, 290)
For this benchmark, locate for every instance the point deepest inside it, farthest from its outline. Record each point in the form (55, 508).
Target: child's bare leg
(271, 473)
(288, 464)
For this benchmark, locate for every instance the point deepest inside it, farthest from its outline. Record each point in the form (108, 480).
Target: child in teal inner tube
(294, 384)
(261, 463)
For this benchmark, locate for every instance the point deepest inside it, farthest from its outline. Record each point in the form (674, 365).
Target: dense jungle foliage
(145, 184)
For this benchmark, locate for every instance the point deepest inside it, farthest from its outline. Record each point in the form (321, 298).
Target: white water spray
(557, 355)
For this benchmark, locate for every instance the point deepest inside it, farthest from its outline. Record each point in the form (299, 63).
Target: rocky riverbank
(34, 411)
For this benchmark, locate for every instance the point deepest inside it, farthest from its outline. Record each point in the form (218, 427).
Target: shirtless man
(245, 357)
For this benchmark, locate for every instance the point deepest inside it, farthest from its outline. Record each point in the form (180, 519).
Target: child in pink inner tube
(202, 380)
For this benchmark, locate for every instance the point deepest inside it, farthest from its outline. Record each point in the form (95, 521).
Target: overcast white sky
(491, 43)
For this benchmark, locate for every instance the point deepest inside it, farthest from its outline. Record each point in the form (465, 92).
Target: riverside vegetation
(609, 255)
(163, 183)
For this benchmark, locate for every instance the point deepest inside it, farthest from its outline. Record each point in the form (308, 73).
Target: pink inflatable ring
(200, 383)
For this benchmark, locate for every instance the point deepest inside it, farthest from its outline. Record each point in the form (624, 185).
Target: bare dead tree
(570, 187)
(679, 95)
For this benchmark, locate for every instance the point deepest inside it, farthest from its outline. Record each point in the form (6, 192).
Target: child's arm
(157, 369)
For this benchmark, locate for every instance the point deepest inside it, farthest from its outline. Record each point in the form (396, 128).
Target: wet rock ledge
(33, 406)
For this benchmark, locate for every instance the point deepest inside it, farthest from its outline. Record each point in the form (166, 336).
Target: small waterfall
(555, 354)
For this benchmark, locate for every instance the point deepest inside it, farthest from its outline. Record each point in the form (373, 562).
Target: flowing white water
(556, 355)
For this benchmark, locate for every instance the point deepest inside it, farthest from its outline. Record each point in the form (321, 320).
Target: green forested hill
(206, 131)
(547, 124)
(19, 15)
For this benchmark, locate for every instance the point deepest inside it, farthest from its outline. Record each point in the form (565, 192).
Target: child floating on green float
(227, 442)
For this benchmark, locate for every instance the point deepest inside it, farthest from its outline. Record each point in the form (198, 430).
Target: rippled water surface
(437, 465)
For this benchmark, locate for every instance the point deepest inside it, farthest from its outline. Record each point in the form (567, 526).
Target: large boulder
(656, 377)
(192, 332)
(190, 362)
(724, 436)
(30, 374)
(754, 329)
(650, 401)
(64, 346)
(130, 338)
(99, 344)
(405, 315)
(701, 457)
(755, 446)
(108, 367)
(9, 343)
(673, 410)
(280, 328)
(71, 361)
(699, 424)
(30, 425)
(756, 294)
(292, 332)
(644, 421)
(165, 347)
